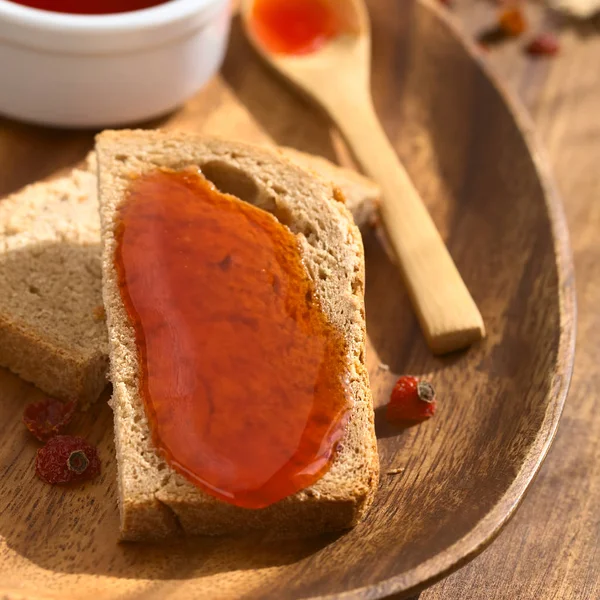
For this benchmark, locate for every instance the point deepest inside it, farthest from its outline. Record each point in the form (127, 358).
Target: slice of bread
(52, 328)
(155, 501)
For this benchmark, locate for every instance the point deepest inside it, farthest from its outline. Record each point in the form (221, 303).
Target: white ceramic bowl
(107, 70)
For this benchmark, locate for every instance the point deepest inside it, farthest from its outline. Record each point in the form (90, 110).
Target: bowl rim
(14, 14)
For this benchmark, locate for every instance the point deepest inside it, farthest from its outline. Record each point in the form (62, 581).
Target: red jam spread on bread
(294, 26)
(90, 7)
(243, 378)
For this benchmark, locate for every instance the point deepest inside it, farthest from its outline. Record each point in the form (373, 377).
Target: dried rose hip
(544, 44)
(48, 417)
(412, 400)
(512, 21)
(67, 459)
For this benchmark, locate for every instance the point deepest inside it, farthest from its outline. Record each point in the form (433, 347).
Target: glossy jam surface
(243, 378)
(294, 26)
(90, 7)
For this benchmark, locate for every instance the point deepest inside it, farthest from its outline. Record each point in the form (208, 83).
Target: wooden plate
(447, 486)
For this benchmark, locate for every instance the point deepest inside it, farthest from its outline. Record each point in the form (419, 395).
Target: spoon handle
(446, 311)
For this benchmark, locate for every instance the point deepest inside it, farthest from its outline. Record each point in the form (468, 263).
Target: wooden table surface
(551, 548)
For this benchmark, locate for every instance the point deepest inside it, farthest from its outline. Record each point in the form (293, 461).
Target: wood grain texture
(449, 317)
(448, 485)
(550, 550)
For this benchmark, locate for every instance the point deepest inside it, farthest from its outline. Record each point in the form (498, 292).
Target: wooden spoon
(337, 76)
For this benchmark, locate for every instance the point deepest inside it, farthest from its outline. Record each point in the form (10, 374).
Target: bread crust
(157, 502)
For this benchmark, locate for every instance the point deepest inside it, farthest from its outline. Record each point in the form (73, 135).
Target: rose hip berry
(544, 44)
(48, 417)
(412, 400)
(67, 459)
(512, 21)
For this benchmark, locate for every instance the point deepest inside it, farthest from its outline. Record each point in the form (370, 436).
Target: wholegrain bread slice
(52, 329)
(155, 501)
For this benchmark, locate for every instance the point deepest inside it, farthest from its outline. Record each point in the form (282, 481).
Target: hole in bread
(34, 290)
(323, 274)
(231, 180)
(284, 215)
(121, 157)
(309, 230)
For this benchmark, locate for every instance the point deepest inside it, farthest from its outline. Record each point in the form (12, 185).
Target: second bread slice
(52, 330)
(155, 501)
